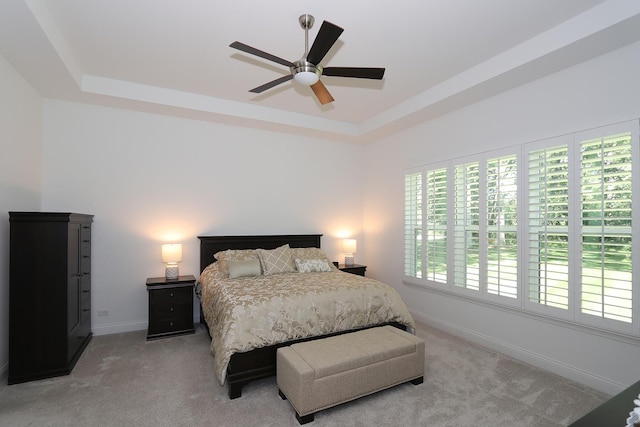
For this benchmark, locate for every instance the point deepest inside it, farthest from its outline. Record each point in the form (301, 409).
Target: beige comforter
(253, 312)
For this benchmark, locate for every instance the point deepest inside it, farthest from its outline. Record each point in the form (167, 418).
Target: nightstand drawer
(168, 296)
(170, 325)
(164, 309)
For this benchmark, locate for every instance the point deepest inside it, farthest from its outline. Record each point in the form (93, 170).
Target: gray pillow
(244, 268)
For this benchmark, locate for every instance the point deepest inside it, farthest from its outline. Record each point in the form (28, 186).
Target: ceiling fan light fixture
(306, 78)
(306, 73)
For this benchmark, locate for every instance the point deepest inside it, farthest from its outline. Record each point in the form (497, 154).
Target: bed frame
(261, 362)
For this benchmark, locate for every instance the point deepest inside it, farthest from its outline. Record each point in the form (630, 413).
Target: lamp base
(348, 260)
(171, 272)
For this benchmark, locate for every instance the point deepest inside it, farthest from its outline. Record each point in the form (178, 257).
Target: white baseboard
(116, 328)
(594, 381)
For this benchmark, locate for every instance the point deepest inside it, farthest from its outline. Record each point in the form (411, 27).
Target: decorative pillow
(224, 257)
(276, 261)
(312, 265)
(244, 268)
(311, 253)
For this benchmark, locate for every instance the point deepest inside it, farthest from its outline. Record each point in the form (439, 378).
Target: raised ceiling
(173, 57)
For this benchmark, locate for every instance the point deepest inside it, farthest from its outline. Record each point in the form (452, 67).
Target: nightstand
(170, 306)
(353, 269)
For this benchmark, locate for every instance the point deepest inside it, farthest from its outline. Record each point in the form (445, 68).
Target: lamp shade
(172, 253)
(349, 246)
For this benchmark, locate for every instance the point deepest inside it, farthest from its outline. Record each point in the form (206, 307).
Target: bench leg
(304, 419)
(417, 381)
(282, 396)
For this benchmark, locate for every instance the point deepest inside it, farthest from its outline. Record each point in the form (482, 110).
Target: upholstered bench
(319, 374)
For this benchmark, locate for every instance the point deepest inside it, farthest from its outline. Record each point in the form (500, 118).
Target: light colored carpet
(124, 380)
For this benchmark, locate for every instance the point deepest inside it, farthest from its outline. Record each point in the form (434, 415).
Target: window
(548, 229)
(606, 227)
(413, 225)
(501, 226)
(436, 225)
(467, 226)
(554, 236)
(425, 225)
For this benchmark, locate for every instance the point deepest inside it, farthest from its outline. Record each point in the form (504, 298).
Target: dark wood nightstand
(170, 306)
(353, 269)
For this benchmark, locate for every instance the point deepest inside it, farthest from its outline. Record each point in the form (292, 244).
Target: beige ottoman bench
(319, 374)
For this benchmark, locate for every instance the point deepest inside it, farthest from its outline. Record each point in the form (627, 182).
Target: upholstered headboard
(210, 245)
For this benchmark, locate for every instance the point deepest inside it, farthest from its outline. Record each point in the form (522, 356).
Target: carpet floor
(124, 380)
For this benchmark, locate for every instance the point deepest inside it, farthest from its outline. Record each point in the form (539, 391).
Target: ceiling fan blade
(322, 93)
(326, 37)
(271, 84)
(253, 51)
(357, 72)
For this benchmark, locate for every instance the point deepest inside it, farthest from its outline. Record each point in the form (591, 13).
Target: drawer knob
(171, 309)
(86, 309)
(86, 291)
(171, 324)
(171, 293)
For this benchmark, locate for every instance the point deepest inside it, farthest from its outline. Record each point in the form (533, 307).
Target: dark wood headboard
(210, 245)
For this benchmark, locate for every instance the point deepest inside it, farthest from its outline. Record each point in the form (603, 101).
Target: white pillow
(312, 265)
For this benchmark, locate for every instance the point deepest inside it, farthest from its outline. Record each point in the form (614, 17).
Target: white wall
(20, 176)
(149, 179)
(603, 91)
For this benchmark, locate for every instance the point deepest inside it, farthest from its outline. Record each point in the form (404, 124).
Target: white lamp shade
(172, 253)
(349, 246)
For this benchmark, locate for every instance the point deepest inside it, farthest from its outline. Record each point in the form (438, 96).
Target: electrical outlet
(103, 312)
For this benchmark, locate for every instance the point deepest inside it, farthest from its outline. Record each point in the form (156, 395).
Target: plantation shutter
(606, 218)
(467, 226)
(501, 226)
(548, 242)
(413, 224)
(435, 242)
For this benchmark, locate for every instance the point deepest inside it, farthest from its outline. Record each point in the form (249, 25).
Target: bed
(250, 313)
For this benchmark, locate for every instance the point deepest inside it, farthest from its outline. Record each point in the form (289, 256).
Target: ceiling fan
(307, 70)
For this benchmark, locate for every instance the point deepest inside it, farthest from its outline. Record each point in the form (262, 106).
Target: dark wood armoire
(49, 293)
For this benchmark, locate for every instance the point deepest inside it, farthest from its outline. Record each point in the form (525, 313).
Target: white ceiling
(173, 57)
